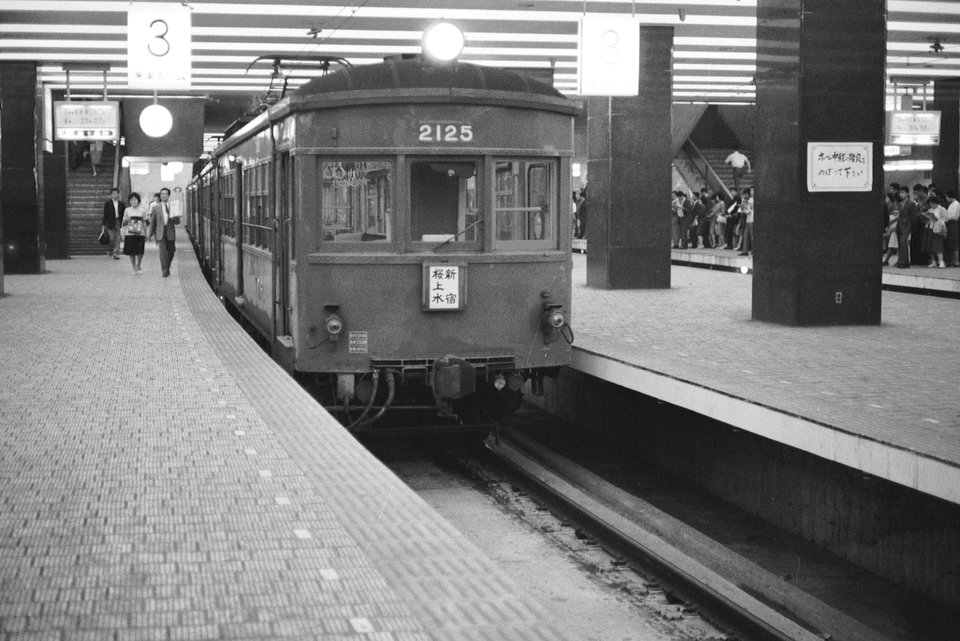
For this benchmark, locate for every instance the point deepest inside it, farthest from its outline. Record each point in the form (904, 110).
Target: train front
(432, 236)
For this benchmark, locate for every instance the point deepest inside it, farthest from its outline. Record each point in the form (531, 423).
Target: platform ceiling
(714, 42)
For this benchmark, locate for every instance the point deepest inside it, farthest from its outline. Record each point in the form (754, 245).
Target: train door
(283, 244)
(241, 218)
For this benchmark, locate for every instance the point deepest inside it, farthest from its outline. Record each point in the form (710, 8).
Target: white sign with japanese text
(444, 287)
(839, 166)
(913, 128)
(609, 56)
(87, 120)
(158, 45)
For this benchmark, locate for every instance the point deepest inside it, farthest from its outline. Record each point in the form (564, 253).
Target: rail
(756, 602)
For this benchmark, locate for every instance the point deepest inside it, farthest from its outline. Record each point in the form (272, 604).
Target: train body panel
(382, 307)
(403, 220)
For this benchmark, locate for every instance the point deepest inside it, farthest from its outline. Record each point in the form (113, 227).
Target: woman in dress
(934, 231)
(135, 227)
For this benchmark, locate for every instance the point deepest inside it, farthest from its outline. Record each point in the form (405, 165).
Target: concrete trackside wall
(893, 531)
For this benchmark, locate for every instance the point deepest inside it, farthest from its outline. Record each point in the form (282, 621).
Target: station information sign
(86, 120)
(609, 56)
(839, 166)
(913, 128)
(158, 45)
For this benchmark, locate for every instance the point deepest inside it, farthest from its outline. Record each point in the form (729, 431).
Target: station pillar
(946, 155)
(820, 80)
(628, 174)
(20, 223)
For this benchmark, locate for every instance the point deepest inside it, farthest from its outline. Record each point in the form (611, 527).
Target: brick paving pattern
(163, 479)
(897, 383)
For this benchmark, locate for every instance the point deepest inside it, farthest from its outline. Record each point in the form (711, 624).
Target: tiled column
(946, 155)
(820, 78)
(19, 204)
(628, 193)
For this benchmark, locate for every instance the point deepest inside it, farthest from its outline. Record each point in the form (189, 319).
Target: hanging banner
(158, 45)
(609, 56)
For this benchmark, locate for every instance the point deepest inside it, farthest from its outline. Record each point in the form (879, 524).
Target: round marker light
(744, 269)
(443, 42)
(556, 319)
(333, 325)
(156, 121)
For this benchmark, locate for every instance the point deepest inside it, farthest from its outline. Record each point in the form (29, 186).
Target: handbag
(135, 227)
(939, 228)
(103, 238)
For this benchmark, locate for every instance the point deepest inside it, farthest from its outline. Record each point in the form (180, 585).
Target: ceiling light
(443, 42)
(156, 121)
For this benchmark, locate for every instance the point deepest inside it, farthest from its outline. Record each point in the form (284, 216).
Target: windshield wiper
(479, 221)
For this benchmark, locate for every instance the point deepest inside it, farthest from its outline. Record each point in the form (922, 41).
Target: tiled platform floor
(884, 399)
(161, 478)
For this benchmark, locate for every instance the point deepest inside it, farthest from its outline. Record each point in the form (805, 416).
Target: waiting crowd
(709, 221)
(921, 228)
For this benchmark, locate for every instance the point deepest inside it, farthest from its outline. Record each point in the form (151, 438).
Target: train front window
(525, 193)
(356, 201)
(443, 201)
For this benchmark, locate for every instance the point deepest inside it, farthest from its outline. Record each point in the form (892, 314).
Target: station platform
(879, 399)
(164, 479)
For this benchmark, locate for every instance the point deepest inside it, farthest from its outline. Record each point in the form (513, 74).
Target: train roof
(420, 80)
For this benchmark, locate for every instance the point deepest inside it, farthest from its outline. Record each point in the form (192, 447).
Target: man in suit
(909, 213)
(112, 217)
(163, 231)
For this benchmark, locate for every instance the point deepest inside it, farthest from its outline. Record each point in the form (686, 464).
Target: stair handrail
(713, 179)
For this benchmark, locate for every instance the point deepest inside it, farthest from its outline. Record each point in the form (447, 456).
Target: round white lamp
(443, 42)
(156, 121)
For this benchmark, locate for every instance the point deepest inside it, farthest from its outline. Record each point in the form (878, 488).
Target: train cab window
(525, 204)
(356, 201)
(443, 202)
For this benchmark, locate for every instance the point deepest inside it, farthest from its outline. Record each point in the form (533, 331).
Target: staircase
(715, 158)
(86, 194)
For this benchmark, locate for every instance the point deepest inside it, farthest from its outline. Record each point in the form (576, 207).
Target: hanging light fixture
(156, 120)
(443, 42)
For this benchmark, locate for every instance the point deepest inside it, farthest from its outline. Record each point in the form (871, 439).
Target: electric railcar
(399, 233)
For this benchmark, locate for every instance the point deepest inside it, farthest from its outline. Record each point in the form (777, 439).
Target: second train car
(399, 234)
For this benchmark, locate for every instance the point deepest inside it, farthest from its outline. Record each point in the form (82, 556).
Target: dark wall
(185, 138)
(55, 201)
(19, 207)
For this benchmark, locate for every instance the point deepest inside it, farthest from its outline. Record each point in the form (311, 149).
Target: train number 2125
(435, 132)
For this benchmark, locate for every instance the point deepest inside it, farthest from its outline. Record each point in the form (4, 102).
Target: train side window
(228, 205)
(443, 201)
(525, 204)
(356, 201)
(257, 229)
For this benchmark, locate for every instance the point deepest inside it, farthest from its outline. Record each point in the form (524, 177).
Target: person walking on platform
(582, 214)
(135, 224)
(739, 162)
(162, 230)
(112, 215)
(952, 244)
(909, 212)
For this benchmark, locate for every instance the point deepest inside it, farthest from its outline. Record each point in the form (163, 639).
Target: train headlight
(552, 320)
(333, 326)
(443, 42)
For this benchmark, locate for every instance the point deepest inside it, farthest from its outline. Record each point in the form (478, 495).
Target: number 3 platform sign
(609, 56)
(158, 45)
